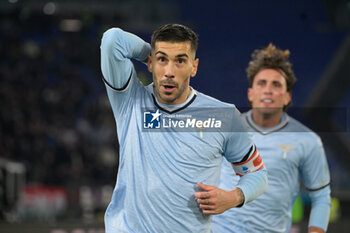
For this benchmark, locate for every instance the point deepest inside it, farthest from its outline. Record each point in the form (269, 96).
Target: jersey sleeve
(315, 175)
(240, 149)
(314, 169)
(320, 208)
(245, 160)
(239, 141)
(117, 49)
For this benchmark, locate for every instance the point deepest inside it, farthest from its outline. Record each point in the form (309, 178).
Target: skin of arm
(216, 201)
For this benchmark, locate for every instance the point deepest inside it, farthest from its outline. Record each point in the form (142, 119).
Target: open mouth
(266, 101)
(168, 86)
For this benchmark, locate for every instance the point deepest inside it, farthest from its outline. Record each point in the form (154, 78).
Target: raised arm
(117, 48)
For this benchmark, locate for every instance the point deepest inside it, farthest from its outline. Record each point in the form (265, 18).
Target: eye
(161, 59)
(181, 61)
(277, 84)
(261, 83)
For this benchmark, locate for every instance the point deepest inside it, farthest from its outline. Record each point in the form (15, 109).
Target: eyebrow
(276, 81)
(273, 81)
(179, 55)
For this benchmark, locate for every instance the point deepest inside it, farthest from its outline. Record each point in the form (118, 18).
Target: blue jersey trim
(262, 130)
(251, 151)
(118, 89)
(316, 189)
(176, 110)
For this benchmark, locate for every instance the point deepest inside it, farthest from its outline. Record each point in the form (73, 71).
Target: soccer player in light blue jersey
(172, 138)
(291, 152)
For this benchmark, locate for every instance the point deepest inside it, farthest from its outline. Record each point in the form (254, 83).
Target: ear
(194, 67)
(149, 63)
(250, 94)
(288, 98)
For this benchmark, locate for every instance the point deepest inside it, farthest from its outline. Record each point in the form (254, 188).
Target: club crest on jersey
(151, 120)
(285, 149)
(201, 132)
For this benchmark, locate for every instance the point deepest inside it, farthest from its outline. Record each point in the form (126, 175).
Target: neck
(266, 120)
(183, 98)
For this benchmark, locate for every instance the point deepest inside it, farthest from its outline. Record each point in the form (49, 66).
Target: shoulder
(217, 107)
(297, 126)
(227, 113)
(210, 101)
(303, 132)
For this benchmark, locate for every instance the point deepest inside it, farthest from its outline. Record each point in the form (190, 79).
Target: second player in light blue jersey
(291, 153)
(172, 138)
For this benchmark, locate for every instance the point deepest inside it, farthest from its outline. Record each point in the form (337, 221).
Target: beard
(267, 113)
(170, 97)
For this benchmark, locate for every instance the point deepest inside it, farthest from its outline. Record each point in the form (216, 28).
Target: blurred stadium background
(58, 147)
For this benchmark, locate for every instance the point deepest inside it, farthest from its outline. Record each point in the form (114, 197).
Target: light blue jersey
(291, 152)
(165, 150)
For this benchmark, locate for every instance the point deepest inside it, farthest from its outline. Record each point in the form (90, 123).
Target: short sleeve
(239, 141)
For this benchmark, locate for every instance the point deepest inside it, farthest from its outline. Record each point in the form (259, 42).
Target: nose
(170, 70)
(268, 89)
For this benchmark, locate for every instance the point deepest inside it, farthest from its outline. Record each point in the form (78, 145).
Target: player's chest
(280, 151)
(185, 147)
(185, 134)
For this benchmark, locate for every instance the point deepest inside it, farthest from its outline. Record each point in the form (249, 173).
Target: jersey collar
(263, 130)
(172, 108)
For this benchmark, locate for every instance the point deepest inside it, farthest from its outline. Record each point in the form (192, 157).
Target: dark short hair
(175, 33)
(272, 57)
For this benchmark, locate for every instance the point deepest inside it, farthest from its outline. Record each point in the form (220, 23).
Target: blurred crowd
(54, 114)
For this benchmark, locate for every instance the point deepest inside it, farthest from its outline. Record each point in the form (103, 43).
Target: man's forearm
(239, 197)
(253, 185)
(320, 208)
